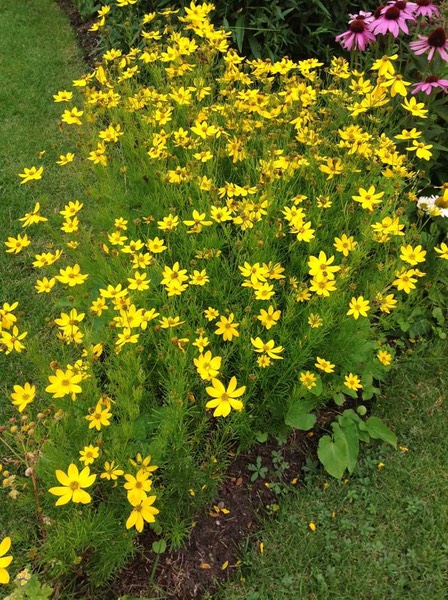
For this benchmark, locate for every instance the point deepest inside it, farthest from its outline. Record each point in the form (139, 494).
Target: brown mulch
(213, 549)
(88, 41)
(214, 546)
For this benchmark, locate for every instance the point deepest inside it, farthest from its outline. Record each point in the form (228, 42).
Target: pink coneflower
(357, 36)
(367, 17)
(431, 83)
(407, 8)
(392, 19)
(426, 8)
(435, 42)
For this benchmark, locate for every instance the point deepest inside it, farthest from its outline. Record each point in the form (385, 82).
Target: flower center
(392, 13)
(423, 2)
(437, 39)
(377, 13)
(431, 79)
(401, 4)
(74, 485)
(357, 26)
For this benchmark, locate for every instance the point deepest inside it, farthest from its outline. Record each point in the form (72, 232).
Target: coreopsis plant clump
(247, 248)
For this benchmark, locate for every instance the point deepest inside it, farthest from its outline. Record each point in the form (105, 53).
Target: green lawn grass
(39, 57)
(381, 534)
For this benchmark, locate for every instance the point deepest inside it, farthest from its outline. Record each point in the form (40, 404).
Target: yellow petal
(62, 478)
(59, 491)
(81, 496)
(7, 560)
(4, 576)
(5, 546)
(64, 499)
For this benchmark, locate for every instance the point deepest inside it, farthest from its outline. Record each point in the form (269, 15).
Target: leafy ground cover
(257, 237)
(379, 534)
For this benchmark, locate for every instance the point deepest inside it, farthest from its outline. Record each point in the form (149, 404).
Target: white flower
(428, 204)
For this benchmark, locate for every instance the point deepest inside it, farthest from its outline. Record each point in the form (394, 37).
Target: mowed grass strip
(39, 57)
(383, 532)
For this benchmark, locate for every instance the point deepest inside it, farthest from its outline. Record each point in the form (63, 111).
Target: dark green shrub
(263, 29)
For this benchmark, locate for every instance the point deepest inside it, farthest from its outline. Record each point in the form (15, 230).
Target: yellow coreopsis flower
(71, 117)
(64, 383)
(71, 276)
(397, 84)
(111, 472)
(269, 318)
(324, 365)
(89, 454)
(33, 217)
(421, 149)
(384, 357)
(353, 382)
(442, 251)
(412, 255)
(22, 396)
(63, 96)
(308, 379)
(31, 174)
(227, 328)
(5, 561)
(415, 108)
(207, 365)
(99, 417)
(368, 198)
(64, 159)
(224, 399)
(405, 280)
(138, 486)
(358, 307)
(322, 286)
(268, 348)
(142, 511)
(384, 65)
(332, 167)
(345, 244)
(12, 341)
(321, 267)
(72, 484)
(16, 245)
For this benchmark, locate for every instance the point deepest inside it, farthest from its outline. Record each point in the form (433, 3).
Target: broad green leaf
(350, 431)
(298, 415)
(261, 437)
(159, 546)
(349, 413)
(317, 389)
(379, 431)
(239, 32)
(333, 455)
(339, 399)
(299, 420)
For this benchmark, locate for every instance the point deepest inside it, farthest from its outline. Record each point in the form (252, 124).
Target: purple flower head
(435, 42)
(407, 8)
(367, 17)
(357, 36)
(431, 83)
(392, 19)
(426, 8)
